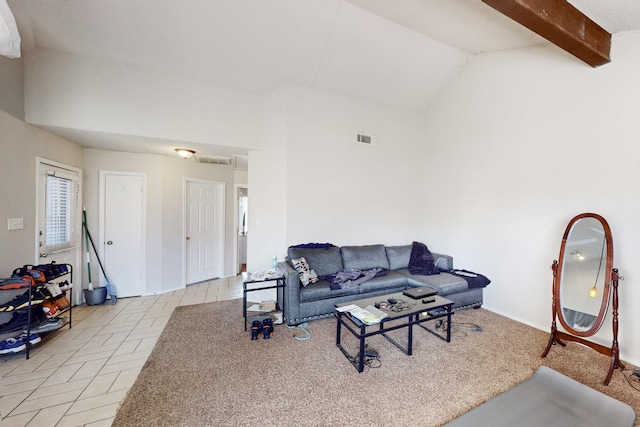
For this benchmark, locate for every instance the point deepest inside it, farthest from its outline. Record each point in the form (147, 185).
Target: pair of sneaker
(22, 301)
(17, 344)
(12, 345)
(265, 327)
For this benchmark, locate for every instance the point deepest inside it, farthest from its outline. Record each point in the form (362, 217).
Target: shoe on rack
(65, 286)
(16, 283)
(54, 289)
(256, 328)
(37, 315)
(12, 345)
(49, 325)
(61, 302)
(22, 301)
(17, 322)
(50, 309)
(19, 301)
(267, 328)
(43, 292)
(33, 338)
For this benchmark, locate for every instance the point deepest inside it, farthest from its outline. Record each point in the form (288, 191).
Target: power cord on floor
(633, 378)
(302, 326)
(371, 358)
(458, 328)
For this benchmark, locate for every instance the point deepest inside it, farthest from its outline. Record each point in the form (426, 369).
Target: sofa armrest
(444, 262)
(292, 291)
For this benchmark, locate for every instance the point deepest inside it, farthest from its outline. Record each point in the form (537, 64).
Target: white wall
(313, 183)
(11, 86)
(76, 92)
(21, 144)
(527, 139)
(268, 186)
(349, 193)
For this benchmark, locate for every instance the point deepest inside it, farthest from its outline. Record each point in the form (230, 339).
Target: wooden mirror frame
(610, 287)
(562, 262)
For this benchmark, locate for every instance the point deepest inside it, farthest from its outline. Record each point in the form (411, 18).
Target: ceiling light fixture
(185, 153)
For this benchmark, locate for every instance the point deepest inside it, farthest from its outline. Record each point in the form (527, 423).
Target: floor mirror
(584, 285)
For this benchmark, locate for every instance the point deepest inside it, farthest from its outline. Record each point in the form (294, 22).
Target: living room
(511, 149)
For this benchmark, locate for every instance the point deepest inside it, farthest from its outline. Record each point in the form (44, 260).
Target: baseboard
(547, 328)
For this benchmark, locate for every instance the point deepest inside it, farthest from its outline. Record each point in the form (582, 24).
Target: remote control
(428, 300)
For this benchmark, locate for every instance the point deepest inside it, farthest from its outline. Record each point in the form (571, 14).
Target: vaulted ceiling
(399, 53)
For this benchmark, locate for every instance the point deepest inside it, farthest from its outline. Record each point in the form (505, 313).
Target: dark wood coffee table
(415, 313)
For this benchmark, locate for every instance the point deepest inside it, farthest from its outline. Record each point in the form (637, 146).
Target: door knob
(110, 242)
(188, 237)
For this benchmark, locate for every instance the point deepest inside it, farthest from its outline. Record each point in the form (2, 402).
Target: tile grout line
(139, 309)
(66, 413)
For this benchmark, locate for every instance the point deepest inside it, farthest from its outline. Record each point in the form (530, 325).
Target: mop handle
(86, 245)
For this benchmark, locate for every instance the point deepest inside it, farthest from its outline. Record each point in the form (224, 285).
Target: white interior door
(204, 230)
(122, 235)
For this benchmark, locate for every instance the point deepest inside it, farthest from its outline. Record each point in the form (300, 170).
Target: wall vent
(213, 160)
(363, 138)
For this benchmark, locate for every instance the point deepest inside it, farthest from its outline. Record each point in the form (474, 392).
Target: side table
(274, 281)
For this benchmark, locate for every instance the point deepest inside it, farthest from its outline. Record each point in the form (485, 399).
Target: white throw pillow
(306, 273)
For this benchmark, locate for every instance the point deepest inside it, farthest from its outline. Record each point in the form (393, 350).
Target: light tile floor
(79, 376)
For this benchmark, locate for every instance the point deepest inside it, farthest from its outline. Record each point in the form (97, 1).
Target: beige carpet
(205, 371)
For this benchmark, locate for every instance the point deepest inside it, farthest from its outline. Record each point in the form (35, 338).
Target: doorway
(58, 218)
(204, 230)
(242, 209)
(122, 230)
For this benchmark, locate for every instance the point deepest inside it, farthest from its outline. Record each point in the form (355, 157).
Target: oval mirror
(584, 274)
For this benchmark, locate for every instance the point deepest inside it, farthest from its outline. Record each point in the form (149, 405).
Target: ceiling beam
(562, 24)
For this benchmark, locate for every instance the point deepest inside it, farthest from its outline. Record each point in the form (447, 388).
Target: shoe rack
(42, 324)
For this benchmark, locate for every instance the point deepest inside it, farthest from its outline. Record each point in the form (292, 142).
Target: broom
(110, 288)
(86, 245)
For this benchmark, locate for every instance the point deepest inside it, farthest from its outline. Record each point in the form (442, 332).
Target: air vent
(213, 160)
(363, 138)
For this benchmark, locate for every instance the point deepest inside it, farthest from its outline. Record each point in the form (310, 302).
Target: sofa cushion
(444, 283)
(324, 261)
(321, 290)
(398, 256)
(389, 281)
(443, 262)
(364, 257)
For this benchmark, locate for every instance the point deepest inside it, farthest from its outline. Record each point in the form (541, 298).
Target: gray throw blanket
(352, 277)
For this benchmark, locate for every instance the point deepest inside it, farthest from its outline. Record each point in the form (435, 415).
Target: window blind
(59, 204)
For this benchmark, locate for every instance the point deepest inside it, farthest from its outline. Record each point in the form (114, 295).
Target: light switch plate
(15, 224)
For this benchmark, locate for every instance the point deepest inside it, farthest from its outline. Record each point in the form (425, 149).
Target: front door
(123, 232)
(58, 221)
(204, 230)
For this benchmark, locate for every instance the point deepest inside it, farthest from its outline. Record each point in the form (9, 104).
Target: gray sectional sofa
(317, 300)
